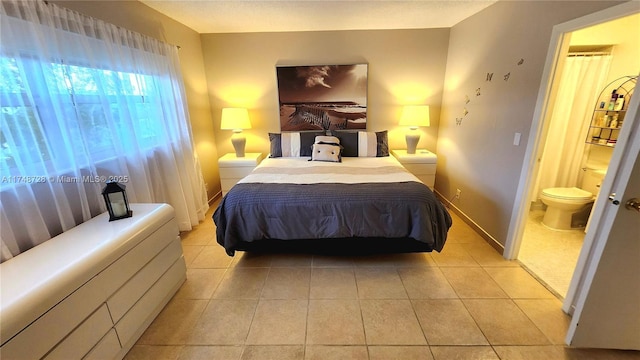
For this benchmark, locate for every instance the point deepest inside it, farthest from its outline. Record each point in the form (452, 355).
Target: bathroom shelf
(606, 122)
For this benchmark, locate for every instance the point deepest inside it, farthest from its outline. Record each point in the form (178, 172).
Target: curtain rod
(589, 53)
(119, 27)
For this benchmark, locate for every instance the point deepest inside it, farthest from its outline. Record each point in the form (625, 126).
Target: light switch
(516, 139)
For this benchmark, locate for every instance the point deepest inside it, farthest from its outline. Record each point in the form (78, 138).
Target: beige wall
(138, 17)
(439, 67)
(624, 35)
(479, 156)
(405, 67)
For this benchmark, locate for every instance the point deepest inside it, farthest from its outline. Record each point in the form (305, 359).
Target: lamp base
(239, 141)
(412, 138)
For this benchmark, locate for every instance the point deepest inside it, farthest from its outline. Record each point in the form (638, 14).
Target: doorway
(559, 259)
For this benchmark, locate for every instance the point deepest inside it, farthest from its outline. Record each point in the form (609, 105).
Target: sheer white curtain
(82, 102)
(582, 80)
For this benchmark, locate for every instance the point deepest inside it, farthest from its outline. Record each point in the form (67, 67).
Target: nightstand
(233, 168)
(422, 164)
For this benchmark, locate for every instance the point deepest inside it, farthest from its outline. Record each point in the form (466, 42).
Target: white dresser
(91, 291)
(233, 168)
(422, 164)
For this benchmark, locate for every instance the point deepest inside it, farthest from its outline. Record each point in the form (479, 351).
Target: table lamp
(236, 119)
(414, 116)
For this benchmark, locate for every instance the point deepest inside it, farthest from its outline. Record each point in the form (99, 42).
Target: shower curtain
(582, 81)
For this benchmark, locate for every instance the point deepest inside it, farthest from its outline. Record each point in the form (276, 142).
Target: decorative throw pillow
(326, 148)
(292, 144)
(382, 143)
(363, 143)
(327, 140)
(326, 152)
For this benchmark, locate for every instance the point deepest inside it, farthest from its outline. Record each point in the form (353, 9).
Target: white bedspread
(352, 170)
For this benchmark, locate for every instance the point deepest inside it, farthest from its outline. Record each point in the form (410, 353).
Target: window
(87, 116)
(83, 102)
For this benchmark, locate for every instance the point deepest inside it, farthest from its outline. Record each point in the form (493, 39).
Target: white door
(607, 307)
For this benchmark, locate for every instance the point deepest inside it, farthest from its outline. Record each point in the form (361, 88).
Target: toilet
(568, 208)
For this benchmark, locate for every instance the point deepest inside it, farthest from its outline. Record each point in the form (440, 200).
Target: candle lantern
(115, 197)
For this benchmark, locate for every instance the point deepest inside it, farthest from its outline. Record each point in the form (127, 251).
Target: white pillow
(326, 152)
(327, 140)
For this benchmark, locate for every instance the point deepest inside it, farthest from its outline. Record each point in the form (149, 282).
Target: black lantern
(115, 198)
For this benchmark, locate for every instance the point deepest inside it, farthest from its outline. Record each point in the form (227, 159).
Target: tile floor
(550, 254)
(464, 303)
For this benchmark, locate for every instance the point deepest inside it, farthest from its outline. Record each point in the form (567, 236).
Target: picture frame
(322, 97)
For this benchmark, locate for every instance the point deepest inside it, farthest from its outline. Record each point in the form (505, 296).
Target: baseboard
(537, 205)
(477, 228)
(215, 198)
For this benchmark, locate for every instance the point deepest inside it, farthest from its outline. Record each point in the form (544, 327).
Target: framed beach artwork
(323, 97)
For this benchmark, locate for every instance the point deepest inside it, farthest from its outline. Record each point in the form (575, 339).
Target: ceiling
(241, 16)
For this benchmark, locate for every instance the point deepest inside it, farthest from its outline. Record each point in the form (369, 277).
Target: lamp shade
(415, 116)
(235, 119)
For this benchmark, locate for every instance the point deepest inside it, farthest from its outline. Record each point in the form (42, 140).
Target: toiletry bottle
(612, 101)
(619, 103)
(614, 121)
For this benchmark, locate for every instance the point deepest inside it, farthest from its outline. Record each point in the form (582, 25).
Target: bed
(351, 203)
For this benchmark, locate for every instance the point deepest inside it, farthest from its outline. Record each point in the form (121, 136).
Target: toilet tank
(592, 180)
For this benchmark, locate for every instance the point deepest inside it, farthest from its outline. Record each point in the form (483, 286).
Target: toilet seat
(572, 193)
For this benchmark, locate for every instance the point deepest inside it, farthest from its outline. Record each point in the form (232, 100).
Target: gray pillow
(292, 144)
(363, 144)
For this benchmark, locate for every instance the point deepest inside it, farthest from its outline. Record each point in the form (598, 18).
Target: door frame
(625, 158)
(554, 64)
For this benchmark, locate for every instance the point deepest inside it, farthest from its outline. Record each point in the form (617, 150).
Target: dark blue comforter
(251, 212)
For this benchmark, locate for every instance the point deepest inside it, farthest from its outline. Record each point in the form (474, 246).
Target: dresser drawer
(422, 164)
(235, 172)
(420, 169)
(150, 304)
(84, 337)
(133, 290)
(428, 180)
(107, 348)
(227, 184)
(60, 320)
(56, 323)
(233, 169)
